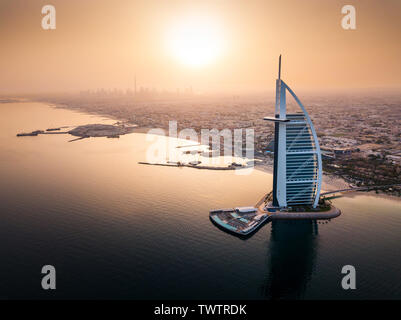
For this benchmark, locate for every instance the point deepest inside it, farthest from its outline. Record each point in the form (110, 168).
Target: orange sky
(101, 43)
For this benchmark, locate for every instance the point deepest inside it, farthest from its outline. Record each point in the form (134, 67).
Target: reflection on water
(116, 229)
(292, 253)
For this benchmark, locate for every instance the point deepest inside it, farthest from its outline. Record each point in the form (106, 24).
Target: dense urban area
(359, 133)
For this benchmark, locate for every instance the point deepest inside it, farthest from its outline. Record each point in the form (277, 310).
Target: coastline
(330, 182)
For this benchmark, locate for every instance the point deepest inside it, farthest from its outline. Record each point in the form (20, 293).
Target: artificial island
(87, 131)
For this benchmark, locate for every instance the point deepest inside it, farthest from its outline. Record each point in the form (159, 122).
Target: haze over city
(212, 46)
(200, 149)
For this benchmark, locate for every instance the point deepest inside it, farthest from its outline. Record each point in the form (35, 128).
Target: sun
(195, 41)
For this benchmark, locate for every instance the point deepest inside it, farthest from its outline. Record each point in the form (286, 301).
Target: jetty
(365, 188)
(196, 165)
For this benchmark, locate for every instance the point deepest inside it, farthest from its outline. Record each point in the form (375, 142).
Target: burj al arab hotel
(297, 172)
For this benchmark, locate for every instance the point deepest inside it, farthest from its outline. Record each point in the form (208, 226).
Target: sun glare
(196, 41)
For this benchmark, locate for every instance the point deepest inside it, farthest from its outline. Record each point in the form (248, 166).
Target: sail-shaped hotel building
(297, 172)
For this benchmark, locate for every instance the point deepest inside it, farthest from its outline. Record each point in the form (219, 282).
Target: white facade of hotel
(298, 160)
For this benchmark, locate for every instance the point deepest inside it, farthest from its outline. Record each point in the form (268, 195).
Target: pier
(366, 188)
(195, 166)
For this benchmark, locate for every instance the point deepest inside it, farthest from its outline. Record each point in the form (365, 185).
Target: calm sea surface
(116, 229)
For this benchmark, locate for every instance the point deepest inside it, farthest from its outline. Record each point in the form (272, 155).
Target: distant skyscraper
(297, 172)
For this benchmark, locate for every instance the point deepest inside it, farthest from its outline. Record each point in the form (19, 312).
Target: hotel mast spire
(279, 67)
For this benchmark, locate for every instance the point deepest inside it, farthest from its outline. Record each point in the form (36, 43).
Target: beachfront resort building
(297, 172)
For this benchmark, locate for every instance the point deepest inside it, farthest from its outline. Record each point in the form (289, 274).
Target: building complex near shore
(297, 170)
(297, 174)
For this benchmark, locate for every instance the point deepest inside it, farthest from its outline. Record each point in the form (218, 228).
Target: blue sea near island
(115, 229)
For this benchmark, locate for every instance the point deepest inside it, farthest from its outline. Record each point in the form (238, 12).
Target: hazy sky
(99, 43)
